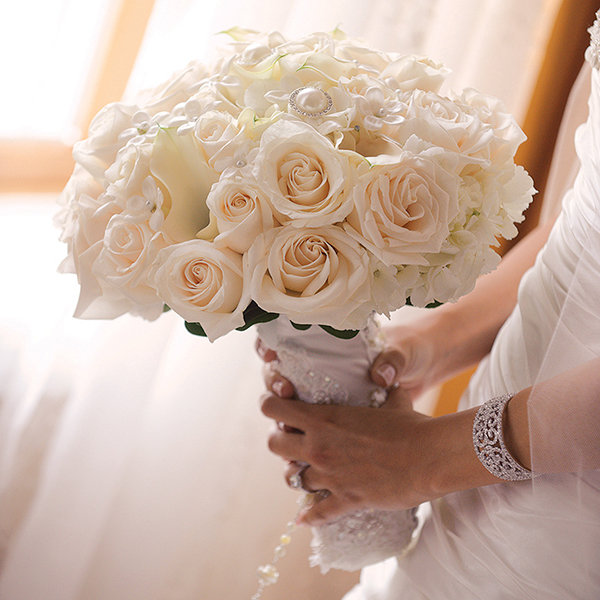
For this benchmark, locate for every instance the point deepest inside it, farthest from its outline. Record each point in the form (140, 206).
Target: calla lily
(180, 166)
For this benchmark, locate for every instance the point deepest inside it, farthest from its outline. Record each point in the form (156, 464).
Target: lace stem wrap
(328, 370)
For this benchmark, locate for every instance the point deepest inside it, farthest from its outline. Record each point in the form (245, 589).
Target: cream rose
(125, 177)
(203, 284)
(306, 179)
(124, 263)
(214, 130)
(318, 276)
(403, 209)
(505, 134)
(99, 150)
(467, 133)
(411, 72)
(242, 212)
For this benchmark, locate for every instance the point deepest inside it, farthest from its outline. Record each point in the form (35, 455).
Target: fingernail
(387, 372)
(278, 387)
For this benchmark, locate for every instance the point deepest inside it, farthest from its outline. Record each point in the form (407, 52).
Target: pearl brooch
(310, 101)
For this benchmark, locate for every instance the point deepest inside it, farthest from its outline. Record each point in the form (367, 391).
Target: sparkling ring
(295, 481)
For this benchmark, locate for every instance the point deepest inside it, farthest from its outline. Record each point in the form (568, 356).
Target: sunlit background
(62, 60)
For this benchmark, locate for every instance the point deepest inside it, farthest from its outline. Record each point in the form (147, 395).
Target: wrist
(453, 464)
(516, 429)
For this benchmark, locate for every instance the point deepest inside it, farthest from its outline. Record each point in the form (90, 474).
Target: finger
(289, 411)
(295, 468)
(387, 367)
(398, 399)
(311, 480)
(323, 511)
(265, 353)
(277, 383)
(287, 445)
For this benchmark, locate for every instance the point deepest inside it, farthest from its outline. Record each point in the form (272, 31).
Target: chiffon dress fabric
(537, 539)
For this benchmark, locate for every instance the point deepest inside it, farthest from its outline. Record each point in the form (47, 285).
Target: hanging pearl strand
(269, 574)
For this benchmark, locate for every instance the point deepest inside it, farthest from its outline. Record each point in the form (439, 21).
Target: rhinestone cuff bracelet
(488, 441)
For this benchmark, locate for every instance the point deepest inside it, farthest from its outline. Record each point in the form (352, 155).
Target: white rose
(203, 284)
(80, 200)
(242, 211)
(222, 95)
(99, 150)
(411, 72)
(126, 175)
(317, 276)
(215, 131)
(403, 209)
(467, 131)
(124, 262)
(307, 180)
(507, 135)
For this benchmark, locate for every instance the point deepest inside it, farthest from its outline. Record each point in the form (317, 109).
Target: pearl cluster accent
(310, 101)
(269, 574)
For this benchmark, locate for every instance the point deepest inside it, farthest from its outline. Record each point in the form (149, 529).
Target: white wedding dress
(539, 539)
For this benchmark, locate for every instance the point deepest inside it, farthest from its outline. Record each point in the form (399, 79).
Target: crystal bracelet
(488, 441)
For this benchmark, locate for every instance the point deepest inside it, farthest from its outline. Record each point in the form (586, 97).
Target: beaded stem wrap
(488, 441)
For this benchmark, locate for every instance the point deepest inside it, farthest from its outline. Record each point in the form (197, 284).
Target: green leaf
(166, 308)
(254, 314)
(195, 329)
(264, 318)
(433, 304)
(300, 327)
(344, 334)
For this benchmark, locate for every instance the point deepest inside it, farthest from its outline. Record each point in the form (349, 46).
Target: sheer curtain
(132, 455)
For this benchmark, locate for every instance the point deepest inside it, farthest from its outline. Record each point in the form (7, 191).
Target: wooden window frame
(44, 166)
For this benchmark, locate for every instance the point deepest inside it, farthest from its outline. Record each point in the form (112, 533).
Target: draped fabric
(132, 455)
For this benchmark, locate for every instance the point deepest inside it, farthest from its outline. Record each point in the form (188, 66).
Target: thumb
(387, 368)
(319, 511)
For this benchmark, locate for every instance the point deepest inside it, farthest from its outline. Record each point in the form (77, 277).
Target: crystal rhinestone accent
(488, 441)
(296, 481)
(310, 101)
(592, 54)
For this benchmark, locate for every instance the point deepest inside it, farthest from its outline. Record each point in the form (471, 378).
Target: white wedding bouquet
(318, 179)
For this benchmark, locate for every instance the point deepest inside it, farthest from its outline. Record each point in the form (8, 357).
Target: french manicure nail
(278, 387)
(387, 372)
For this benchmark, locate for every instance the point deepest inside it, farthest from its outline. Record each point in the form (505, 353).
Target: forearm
(550, 428)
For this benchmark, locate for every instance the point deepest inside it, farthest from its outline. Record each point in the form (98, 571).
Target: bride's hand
(363, 457)
(390, 458)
